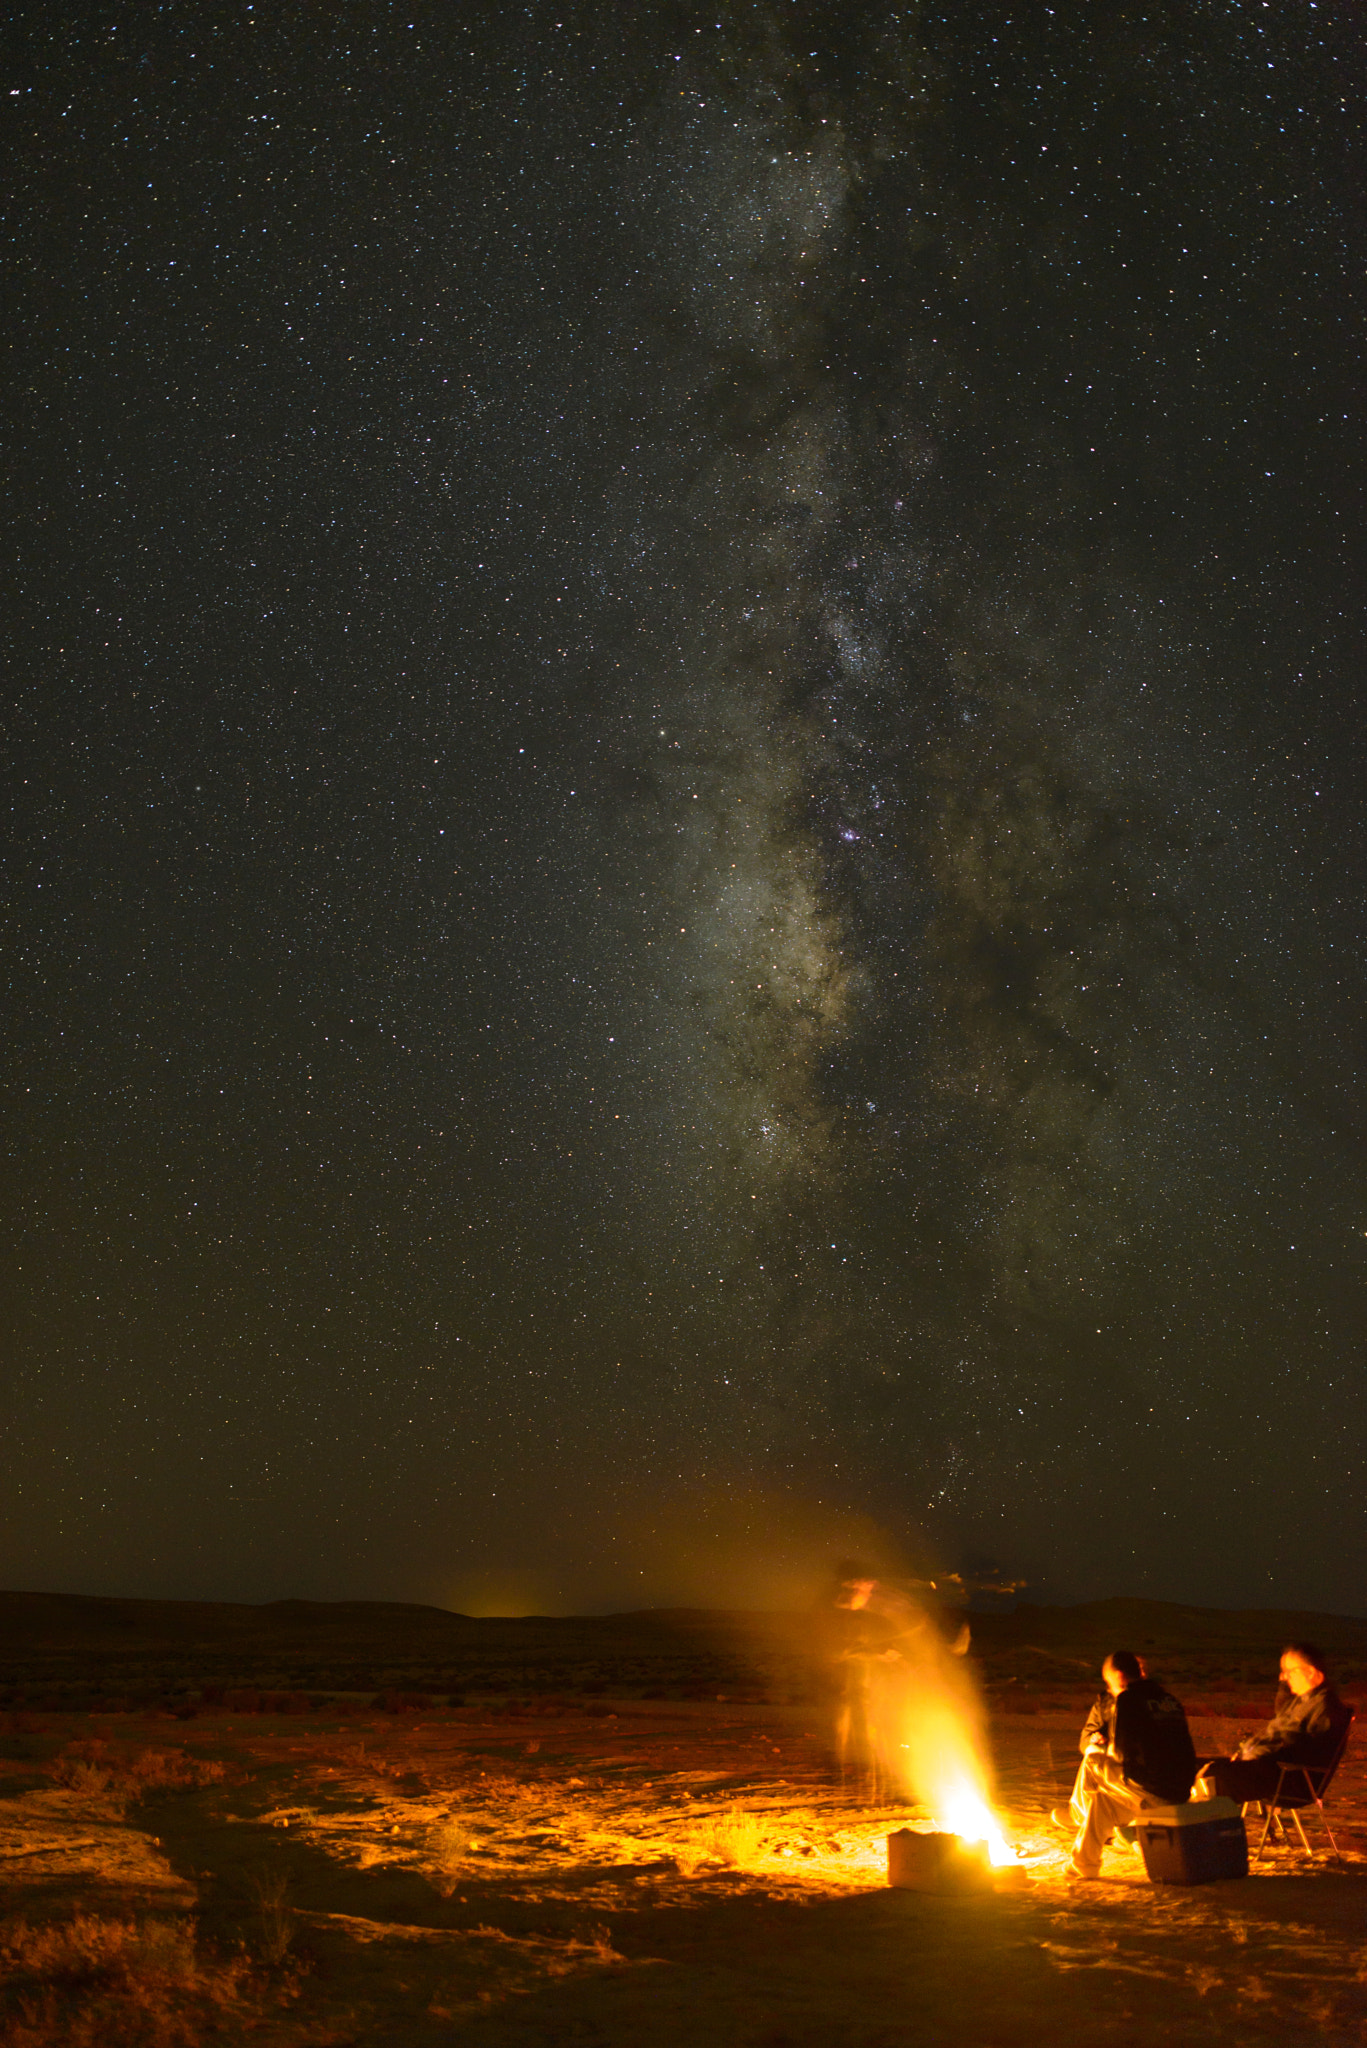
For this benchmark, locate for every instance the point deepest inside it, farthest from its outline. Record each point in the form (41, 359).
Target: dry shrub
(88, 1768)
(91, 1982)
(170, 1770)
(90, 1749)
(96, 1785)
(449, 1840)
(272, 1916)
(595, 1942)
(449, 1844)
(499, 1787)
(732, 1838)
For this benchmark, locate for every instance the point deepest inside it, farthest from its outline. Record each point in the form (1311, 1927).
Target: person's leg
(1108, 1800)
(1238, 1778)
(1080, 1797)
(1071, 1816)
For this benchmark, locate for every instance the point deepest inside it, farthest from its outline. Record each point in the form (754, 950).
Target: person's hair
(1309, 1653)
(1126, 1663)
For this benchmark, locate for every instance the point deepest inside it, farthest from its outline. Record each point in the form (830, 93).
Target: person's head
(1302, 1667)
(1122, 1668)
(855, 1583)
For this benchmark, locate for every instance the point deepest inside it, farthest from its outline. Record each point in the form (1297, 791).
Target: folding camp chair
(1291, 1797)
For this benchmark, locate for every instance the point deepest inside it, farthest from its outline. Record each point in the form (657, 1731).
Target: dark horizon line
(631, 1613)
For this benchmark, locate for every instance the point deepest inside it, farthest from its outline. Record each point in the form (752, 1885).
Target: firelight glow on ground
(528, 1877)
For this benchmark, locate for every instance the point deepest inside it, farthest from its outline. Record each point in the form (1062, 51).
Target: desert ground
(608, 1868)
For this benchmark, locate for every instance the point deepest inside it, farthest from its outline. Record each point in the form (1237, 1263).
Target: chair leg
(1324, 1823)
(1275, 1810)
(1262, 1839)
(1274, 1816)
(1247, 1808)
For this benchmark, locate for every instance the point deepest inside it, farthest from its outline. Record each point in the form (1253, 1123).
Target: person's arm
(1094, 1730)
(1122, 1742)
(1262, 1744)
(1278, 1732)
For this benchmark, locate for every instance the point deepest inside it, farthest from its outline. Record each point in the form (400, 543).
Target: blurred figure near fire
(1136, 1752)
(884, 1647)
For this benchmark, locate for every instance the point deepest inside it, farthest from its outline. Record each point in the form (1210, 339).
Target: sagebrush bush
(732, 1838)
(89, 1768)
(272, 1916)
(451, 1844)
(94, 1982)
(95, 1783)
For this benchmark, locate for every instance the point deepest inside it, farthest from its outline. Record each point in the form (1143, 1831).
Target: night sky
(686, 854)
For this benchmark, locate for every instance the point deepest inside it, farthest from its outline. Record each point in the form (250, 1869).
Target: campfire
(972, 1821)
(945, 1759)
(913, 1717)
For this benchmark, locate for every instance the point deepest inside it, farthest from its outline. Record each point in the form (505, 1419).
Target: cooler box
(1193, 1844)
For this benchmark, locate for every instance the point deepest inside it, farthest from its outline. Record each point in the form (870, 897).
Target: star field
(686, 797)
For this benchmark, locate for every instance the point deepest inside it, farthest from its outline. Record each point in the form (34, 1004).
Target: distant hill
(55, 1646)
(62, 1648)
(1224, 1657)
(64, 1618)
(1167, 1626)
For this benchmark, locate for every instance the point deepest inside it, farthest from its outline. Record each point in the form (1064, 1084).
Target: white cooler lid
(1188, 1815)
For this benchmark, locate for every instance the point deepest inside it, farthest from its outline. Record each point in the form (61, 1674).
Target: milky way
(962, 954)
(689, 797)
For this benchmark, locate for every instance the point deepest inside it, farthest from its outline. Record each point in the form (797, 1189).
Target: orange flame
(922, 1716)
(941, 1747)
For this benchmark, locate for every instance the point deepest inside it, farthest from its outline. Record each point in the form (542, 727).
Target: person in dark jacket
(1138, 1754)
(1307, 1726)
(1096, 1729)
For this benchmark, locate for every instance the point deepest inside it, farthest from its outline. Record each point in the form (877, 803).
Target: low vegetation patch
(100, 1773)
(95, 1982)
(733, 1838)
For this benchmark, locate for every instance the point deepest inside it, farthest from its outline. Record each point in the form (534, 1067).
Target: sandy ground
(660, 1874)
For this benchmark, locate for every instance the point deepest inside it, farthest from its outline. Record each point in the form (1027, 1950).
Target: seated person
(1096, 1729)
(1306, 1728)
(1137, 1752)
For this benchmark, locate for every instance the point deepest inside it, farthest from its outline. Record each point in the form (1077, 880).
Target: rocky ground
(619, 1872)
